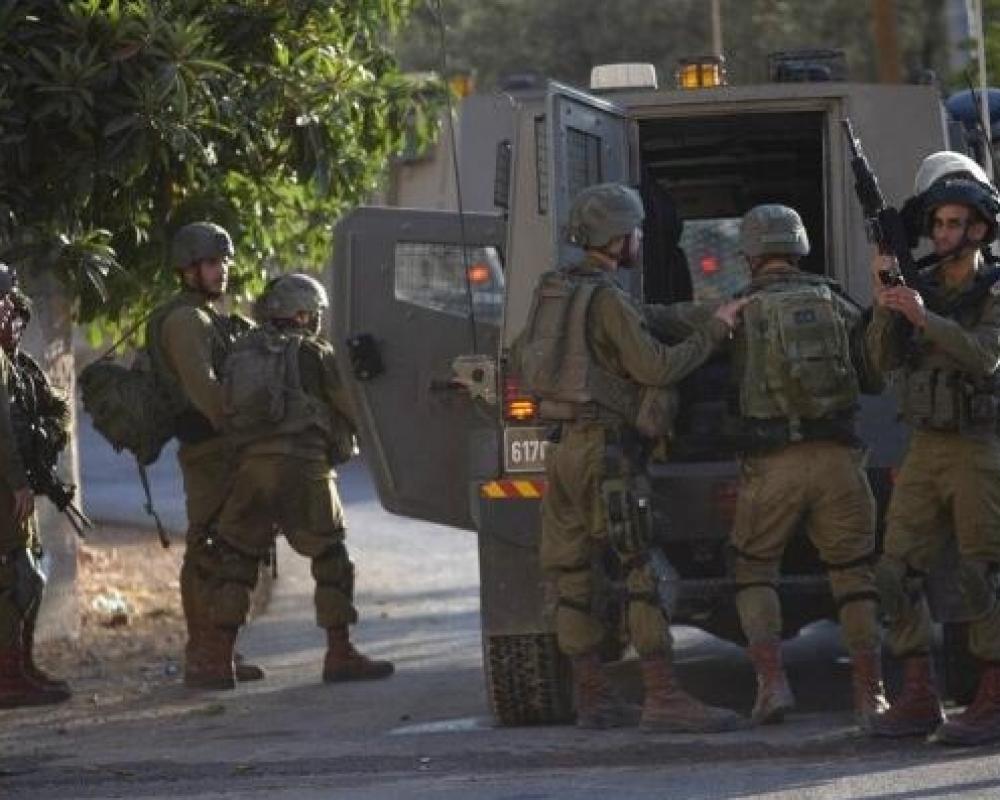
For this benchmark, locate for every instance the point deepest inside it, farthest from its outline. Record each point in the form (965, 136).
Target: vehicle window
(583, 160)
(432, 276)
(718, 269)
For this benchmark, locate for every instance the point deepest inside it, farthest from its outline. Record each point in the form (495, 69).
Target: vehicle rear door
(402, 285)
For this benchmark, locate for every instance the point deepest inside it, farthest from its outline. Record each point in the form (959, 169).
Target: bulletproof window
(440, 277)
(712, 246)
(583, 160)
(542, 164)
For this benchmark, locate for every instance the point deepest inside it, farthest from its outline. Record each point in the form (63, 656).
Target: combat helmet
(197, 241)
(773, 229)
(603, 212)
(947, 178)
(289, 294)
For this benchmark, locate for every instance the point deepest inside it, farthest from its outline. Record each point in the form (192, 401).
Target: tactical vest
(939, 398)
(263, 392)
(190, 425)
(554, 357)
(795, 353)
(38, 417)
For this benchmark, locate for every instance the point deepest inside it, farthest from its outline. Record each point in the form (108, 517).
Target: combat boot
(598, 705)
(208, 658)
(917, 710)
(17, 689)
(667, 707)
(31, 669)
(774, 695)
(980, 722)
(869, 691)
(344, 663)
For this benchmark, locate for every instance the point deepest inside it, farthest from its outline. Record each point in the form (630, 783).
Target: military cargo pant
(297, 497)
(823, 485)
(948, 490)
(21, 582)
(575, 541)
(207, 471)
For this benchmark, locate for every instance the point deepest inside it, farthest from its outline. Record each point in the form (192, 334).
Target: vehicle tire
(528, 680)
(961, 670)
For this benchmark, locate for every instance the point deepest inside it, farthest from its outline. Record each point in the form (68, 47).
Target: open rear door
(402, 285)
(590, 141)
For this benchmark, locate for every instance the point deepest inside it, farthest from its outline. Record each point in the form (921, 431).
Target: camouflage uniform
(21, 580)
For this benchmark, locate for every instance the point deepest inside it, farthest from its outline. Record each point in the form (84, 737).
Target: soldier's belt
(758, 435)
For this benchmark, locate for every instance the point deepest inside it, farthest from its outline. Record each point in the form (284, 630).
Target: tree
(121, 120)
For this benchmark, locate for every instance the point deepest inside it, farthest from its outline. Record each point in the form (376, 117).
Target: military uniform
(23, 384)
(284, 479)
(574, 508)
(187, 341)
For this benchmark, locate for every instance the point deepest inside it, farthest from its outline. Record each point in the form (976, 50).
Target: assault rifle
(883, 223)
(40, 453)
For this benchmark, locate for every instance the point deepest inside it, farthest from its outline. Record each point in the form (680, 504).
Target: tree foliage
(564, 38)
(121, 120)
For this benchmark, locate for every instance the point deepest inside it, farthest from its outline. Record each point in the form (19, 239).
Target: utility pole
(886, 41)
(976, 14)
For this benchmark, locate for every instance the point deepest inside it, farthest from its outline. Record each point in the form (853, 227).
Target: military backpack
(262, 388)
(796, 357)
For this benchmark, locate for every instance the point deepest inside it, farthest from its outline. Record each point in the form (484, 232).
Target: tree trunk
(49, 339)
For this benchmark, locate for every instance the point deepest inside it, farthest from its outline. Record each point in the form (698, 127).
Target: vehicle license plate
(524, 449)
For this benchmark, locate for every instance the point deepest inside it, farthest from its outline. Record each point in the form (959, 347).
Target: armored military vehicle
(430, 301)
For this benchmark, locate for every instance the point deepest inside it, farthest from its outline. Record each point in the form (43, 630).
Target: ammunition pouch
(949, 401)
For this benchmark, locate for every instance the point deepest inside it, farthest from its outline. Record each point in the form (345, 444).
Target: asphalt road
(426, 732)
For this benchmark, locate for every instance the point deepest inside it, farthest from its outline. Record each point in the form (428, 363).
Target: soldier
(587, 354)
(948, 488)
(290, 421)
(800, 363)
(26, 396)
(187, 340)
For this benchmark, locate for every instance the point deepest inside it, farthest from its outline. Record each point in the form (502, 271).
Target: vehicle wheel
(528, 680)
(961, 670)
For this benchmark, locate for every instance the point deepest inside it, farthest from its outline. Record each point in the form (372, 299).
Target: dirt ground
(131, 624)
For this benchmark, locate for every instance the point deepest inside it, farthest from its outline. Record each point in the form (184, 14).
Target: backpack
(797, 360)
(262, 394)
(127, 407)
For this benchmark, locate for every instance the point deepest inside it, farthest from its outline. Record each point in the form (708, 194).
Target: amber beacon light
(701, 72)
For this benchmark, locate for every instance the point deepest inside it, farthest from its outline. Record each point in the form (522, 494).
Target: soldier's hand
(907, 302)
(24, 504)
(730, 312)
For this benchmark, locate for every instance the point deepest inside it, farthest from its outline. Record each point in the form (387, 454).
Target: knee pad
(977, 581)
(898, 586)
(234, 566)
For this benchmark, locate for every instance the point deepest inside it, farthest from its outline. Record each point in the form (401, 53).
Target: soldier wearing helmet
(944, 341)
(285, 454)
(27, 400)
(187, 340)
(799, 361)
(597, 371)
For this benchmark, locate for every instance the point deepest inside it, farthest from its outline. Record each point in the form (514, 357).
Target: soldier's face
(210, 276)
(952, 225)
